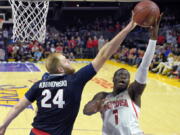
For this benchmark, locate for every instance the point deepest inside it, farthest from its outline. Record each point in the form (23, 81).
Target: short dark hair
(121, 69)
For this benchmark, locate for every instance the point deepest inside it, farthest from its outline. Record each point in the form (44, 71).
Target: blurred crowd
(83, 40)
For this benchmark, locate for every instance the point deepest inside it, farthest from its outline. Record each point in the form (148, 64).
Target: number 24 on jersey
(57, 100)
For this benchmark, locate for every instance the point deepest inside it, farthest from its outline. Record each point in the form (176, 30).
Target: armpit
(136, 89)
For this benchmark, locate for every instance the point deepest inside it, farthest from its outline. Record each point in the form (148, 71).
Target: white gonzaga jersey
(120, 116)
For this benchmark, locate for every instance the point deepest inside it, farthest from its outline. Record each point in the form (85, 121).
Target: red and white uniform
(120, 116)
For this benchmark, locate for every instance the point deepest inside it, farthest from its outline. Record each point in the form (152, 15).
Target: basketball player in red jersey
(120, 108)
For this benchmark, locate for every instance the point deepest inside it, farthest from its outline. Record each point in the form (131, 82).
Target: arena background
(79, 29)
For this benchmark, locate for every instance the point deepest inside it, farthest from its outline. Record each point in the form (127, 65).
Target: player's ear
(60, 70)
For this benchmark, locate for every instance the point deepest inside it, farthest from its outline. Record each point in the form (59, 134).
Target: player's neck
(116, 92)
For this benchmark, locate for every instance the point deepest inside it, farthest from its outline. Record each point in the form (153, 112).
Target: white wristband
(152, 41)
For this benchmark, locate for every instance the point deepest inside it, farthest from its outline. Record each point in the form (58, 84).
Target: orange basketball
(145, 13)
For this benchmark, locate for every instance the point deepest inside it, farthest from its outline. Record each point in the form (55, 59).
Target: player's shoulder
(36, 84)
(137, 84)
(45, 76)
(136, 89)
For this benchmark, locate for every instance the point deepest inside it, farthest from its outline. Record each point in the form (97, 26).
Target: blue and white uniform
(58, 99)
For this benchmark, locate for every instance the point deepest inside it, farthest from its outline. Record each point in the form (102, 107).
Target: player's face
(121, 80)
(66, 65)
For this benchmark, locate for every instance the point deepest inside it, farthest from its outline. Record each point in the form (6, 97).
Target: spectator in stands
(37, 51)
(47, 50)
(79, 47)
(117, 54)
(2, 54)
(95, 46)
(161, 40)
(89, 46)
(169, 37)
(167, 50)
(20, 53)
(15, 50)
(71, 57)
(31, 44)
(59, 48)
(124, 55)
(132, 56)
(65, 41)
(178, 40)
(27, 52)
(164, 66)
(177, 72)
(101, 42)
(72, 44)
(169, 69)
(66, 51)
(5, 34)
(139, 56)
(10, 50)
(156, 60)
(53, 49)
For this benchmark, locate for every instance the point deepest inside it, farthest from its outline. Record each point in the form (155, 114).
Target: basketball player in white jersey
(120, 108)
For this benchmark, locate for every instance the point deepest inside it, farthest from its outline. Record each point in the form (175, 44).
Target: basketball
(145, 13)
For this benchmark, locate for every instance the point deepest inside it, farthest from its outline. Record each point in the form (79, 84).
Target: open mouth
(121, 82)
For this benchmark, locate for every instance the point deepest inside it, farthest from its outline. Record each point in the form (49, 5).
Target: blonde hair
(53, 62)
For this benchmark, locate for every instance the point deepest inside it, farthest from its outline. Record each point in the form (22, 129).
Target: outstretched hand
(155, 28)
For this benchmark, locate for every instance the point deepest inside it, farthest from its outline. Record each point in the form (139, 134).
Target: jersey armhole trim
(134, 109)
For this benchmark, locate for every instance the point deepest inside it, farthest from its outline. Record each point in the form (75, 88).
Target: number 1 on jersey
(115, 112)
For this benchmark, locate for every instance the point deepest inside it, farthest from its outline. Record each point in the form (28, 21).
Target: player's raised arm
(13, 113)
(141, 74)
(109, 48)
(95, 104)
